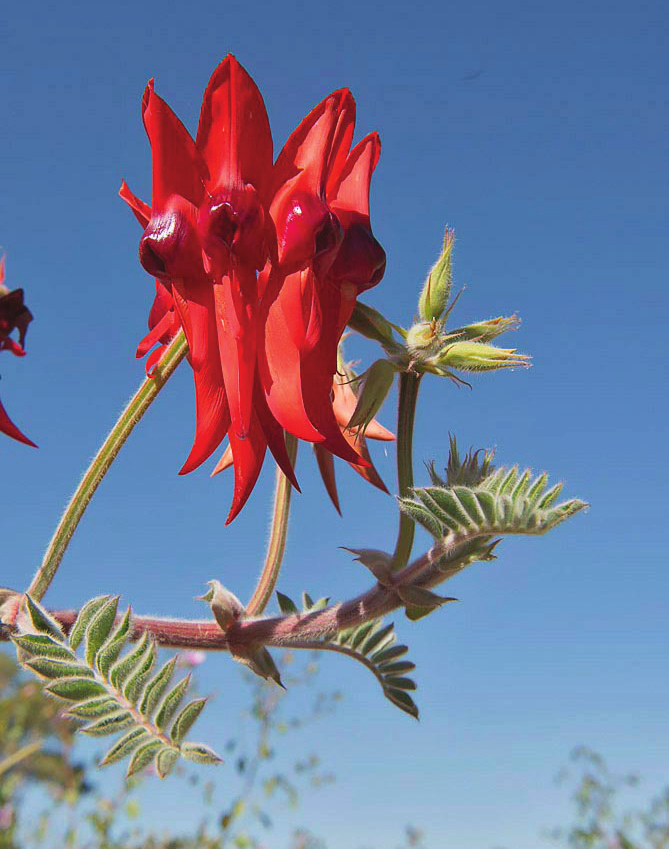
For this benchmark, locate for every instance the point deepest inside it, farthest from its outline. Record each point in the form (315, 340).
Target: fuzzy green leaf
(109, 724)
(112, 648)
(76, 689)
(42, 621)
(199, 753)
(99, 627)
(142, 756)
(286, 604)
(124, 745)
(127, 665)
(165, 760)
(133, 686)
(170, 702)
(49, 667)
(86, 613)
(98, 706)
(42, 646)
(185, 719)
(156, 687)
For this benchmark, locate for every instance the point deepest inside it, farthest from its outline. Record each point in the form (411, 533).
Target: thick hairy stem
(277, 538)
(290, 630)
(138, 405)
(406, 413)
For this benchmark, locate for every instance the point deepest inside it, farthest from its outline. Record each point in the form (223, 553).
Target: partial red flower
(325, 256)
(242, 250)
(14, 315)
(344, 404)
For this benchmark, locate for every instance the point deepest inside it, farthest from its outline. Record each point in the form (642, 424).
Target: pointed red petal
(8, 427)
(141, 209)
(351, 190)
(155, 334)
(248, 456)
(368, 472)
(177, 166)
(234, 135)
(213, 416)
(326, 467)
(274, 434)
(235, 297)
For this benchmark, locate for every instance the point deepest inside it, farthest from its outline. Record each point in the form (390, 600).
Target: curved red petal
(274, 434)
(368, 472)
(248, 456)
(141, 209)
(351, 190)
(178, 168)
(213, 416)
(234, 135)
(8, 427)
(155, 335)
(326, 467)
(225, 462)
(235, 298)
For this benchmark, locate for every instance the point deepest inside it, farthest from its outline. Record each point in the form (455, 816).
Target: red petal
(326, 467)
(155, 334)
(178, 168)
(274, 434)
(368, 472)
(225, 462)
(248, 456)
(213, 416)
(234, 135)
(141, 209)
(8, 427)
(351, 190)
(235, 297)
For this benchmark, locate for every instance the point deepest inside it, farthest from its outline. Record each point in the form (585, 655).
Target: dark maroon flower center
(360, 260)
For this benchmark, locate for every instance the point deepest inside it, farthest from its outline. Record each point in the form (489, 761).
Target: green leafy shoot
(374, 645)
(506, 502)
(113, 692)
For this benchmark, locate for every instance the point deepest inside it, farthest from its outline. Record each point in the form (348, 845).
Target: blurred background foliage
(48, 798)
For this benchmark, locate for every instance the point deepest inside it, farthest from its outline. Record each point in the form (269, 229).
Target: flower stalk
(406, 414)
(138, 405)
(277, 540)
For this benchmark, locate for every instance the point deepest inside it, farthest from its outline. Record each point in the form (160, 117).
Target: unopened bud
(486, 331)
(423, 339)
(225, 606)
(437, 288)
(478, 356)
(378, 379)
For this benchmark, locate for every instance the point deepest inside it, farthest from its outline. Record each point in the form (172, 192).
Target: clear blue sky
(538, 131)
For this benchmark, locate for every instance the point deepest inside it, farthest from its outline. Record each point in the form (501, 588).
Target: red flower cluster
(14, 315)
(260, 263)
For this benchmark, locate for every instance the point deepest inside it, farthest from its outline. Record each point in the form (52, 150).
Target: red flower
(212, 227)
(326, 255)
(14, 315)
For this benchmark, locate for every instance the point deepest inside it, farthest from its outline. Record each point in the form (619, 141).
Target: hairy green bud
(479, 356)
(437, 287)
(377, 382)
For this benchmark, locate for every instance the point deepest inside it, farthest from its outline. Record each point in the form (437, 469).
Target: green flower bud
(478, 356)
(437, 287)
(423, 339)
(377, 382)
(486, 331)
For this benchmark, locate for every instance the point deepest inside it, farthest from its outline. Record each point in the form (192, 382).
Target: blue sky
(538, 131)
